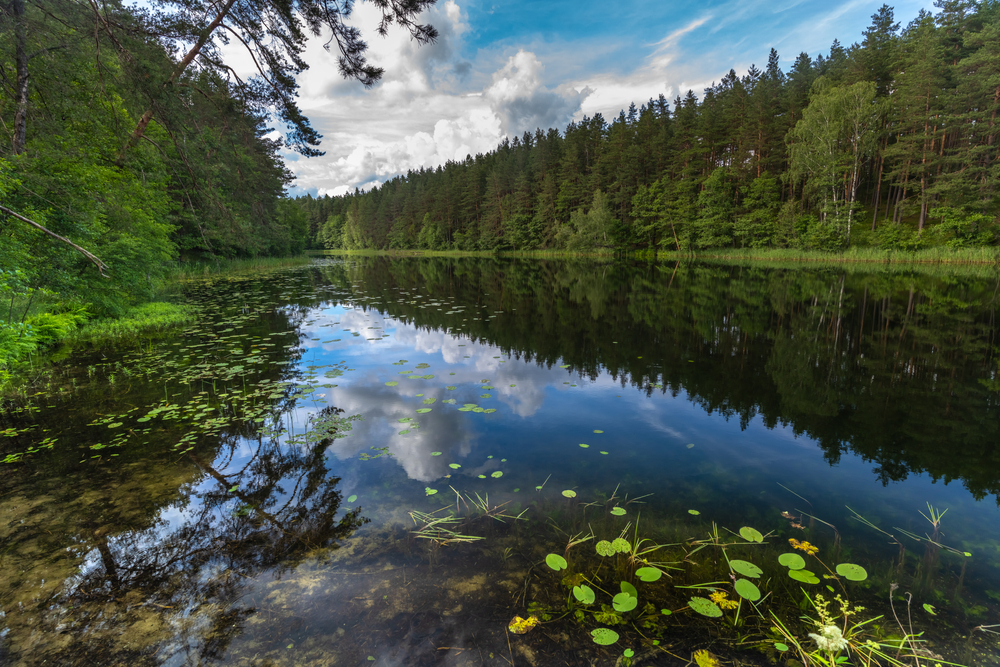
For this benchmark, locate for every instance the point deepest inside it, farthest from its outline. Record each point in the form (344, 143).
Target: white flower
(829, 639)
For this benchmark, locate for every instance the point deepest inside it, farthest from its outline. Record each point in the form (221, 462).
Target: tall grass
(181, 271)
(140, 321)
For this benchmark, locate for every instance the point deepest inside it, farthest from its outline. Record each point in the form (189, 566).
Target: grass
(137, 322)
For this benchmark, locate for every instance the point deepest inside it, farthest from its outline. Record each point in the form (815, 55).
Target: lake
(383, 461)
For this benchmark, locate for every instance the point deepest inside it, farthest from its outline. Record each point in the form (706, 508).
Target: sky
(502, 68)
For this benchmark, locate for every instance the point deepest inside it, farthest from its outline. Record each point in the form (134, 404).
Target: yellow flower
(721, 598)
(803, 546)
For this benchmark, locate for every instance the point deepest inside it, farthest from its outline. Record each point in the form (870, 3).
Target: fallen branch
(101, 266)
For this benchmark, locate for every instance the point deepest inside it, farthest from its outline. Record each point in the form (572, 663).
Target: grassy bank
(181, 271)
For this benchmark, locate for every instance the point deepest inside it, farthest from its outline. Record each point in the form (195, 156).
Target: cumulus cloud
(522, 103)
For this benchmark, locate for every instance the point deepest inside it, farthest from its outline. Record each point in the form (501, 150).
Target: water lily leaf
(451, 387)
(597, 430)
(666, 612)
(429, 491)
(694, 512)
(585, 446)
(792, 561)
(234, 488)
(482, 477)
(751, 534)
(520, 626)
(390, 383)
(564, 366)
(604, 548)
(497, 474)
(569, 493)
(435, 453)
(747, 590)
(805, 576)
(351, 498)
(930, 609)
(629, 588)
(705, 607)
(429, 401)
(778, 646)
(605, 453)
(621, 545)
(604, 636)
(424, 410)
(745, 568)
(628, 653)
(556, 562)
(618, 511)
(584, 594)
(852, 572)
(648, 574)
(624, 602)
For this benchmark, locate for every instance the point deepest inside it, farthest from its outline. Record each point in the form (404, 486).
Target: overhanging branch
(101, 266)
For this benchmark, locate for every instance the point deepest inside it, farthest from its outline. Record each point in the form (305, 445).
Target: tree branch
(101, 266)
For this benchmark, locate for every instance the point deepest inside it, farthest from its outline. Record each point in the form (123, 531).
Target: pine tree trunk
(21, 86)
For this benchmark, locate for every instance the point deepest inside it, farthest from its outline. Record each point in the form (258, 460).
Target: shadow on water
(263, 487)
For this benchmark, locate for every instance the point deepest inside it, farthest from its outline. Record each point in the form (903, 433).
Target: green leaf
(629, 588)
(604, 548)
(628, 653)
(423, 410)
(747, 590)
(930, 609)
(792, 561)
(584, 446)
(429, 491)
(584, 594)
(648, 574)
(781, 647)
(597, 430)
(556, 562)
(751, 534)
(621, 545)
(805, 576)
(852, 572)
(745, 568)
(604, 636)
(569, 493)
(435, 453)
(705, 607)
(497, 474)
(351, 498)
(454, 466)
(694, 512)
(623, 602)
(232, 490)
(618, 511)
(390, 383)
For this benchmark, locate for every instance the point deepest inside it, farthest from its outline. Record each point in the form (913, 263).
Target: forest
(890, 143)
(130, 143)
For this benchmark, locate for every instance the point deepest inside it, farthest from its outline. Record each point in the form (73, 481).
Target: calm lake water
(267, 486)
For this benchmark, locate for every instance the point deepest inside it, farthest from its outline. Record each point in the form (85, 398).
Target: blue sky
(501, 68)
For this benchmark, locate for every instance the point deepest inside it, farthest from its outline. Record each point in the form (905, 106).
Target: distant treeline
(891, 143)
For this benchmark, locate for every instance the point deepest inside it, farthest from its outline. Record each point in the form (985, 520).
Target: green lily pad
(569, 493)
(694, 512)
(778, 646)
(629, 588)
(564, 366)
(852, 572)
(482, 477)
(618, 511)
(604, 636)
(429, 491)
(745, 568)
(747, 590)
(929, 609)
(604, 548)
(556, 562)
(648, 574)
(451, 387)
(792, 561)
(623, 602)
(705, 607)
(424, 410)
(435, 453)
(455, 466)
(584, 594)
(621, 545)
(428, 401)
(584, 446)
(597, 430)
(805, 576)
(351, 498)
(497, 474)
(751, 534)
(390, 383)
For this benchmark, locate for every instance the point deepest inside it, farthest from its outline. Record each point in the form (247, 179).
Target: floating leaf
(852, 572)
(482, 477)
(351, 498)
(556, 562)
(455, 466)
(604, 548)
(747, 590)
(604, 636)
(423, 410)
(930, 609)
(648, 574)
(621, 545)
(451, 387)
(605, 453)
(690, 445)
(569, 493)
(694, 512)
(429, 491)
(428, 401)
(618, 511)
(584, 594)
(666, 612)
(564, 366)
(629, 588)
(792, 561)
(390, 383)
(520, 626)
(705, 607)
(805, 576)
(597, 430)
(628, 653)
(234, 488)
(435, 453)
(781, 647)
(585, 446)
(745, 568)
(623, 602)
(751, 534)
(497, 474)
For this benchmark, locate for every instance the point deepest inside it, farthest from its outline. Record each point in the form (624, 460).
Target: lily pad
(621, 545)
(597, 430)
(929, 609)
(435, 453)
(792, 561)
(569, 493)
(852, 572)
(556, 562)
(455, 466)
(429, 491)
(648, 574)
(390, 383)
(618, 511)
(424, 410)
(747, 590)
(604, 636)
(629, 588)
(745, 568)
(805, 576)
(604, 548)
(623, 602)
(694, 512)
(584, 446)
(778, 646)
(584, 594)
(497, 474)
(705, 607)
(351, 498)
(751, 534)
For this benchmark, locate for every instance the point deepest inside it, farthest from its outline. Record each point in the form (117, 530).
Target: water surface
(251, 490)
